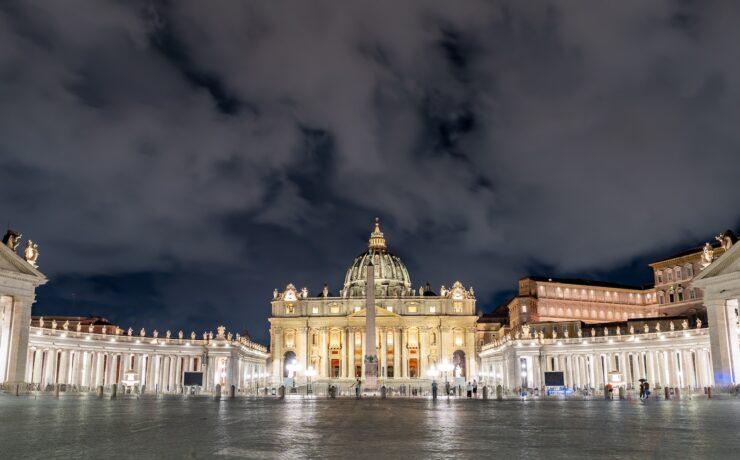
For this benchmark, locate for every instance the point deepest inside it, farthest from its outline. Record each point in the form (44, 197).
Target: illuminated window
(390, 309)
(524, 309)
(335, 308)
(358, 339)
(357, 309)
(432, 309)
(315, 310)
(412, 308)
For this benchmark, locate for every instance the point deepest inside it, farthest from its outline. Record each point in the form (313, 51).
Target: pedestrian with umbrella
(642, 388)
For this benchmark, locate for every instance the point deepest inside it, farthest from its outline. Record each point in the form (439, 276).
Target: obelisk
(371, 355)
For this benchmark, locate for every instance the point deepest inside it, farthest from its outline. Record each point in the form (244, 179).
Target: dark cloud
(178, 160)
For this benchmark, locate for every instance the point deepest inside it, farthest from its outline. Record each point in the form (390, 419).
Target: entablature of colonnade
(48, 338)
(669, 340)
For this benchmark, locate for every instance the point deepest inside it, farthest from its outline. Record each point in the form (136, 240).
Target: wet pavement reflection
(81, 427)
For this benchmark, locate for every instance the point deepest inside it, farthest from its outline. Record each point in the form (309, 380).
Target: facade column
(396, 353)
(351, 350)
(723, 338)
(404, 354)
(383, 352)
(63, 370)
(325, 370)
(472, 363)
(14, 332)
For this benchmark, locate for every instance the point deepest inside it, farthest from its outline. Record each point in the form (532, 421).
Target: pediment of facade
(11, 264)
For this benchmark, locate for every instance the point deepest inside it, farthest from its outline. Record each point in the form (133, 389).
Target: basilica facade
(416, 329)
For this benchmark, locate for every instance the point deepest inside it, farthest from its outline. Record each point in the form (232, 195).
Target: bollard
(485, 392)
(56, 391)
(232, 392)
(499, 393)
(709, 392)
(281, 392)
(667, 393)
(218, 391)
(113, 391)
(621, 392)
(100, 391)
(383, 392)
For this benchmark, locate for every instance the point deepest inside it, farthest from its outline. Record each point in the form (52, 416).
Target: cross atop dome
(377, 240)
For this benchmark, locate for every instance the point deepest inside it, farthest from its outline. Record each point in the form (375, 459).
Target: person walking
(642, 390)
(447, 388)
(357, 386)
(434, 389)
(475, 389)
(470, 390)
(647, 390)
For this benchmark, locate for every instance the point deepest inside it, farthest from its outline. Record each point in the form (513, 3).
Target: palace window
(689, 271)
(335, 308)
(389, 308)
(412, 309)
(357, 309)
(661, 298)
(669, 275)
(678, 273)
(315, 310)
(680, 295)
(692, 294)
(659, 276)
(432, 309)
(524, 309)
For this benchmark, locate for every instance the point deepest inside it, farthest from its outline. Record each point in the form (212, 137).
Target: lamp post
(446, 367)
(310, 372)
(293, 368)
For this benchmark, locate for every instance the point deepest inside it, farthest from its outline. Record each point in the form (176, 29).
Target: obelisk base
(371, 376)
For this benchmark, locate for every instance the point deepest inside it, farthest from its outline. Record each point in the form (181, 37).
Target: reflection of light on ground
(368, 428)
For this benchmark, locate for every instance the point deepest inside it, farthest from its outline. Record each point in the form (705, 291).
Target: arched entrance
(287, 358)
(458, 360)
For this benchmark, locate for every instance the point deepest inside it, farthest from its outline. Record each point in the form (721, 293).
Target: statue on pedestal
(41, 321)
(698, 323)
(12, 239)
(707, 255)
(65, 326)
(130, 332)
(53, 324)
(684, 325)
(31, 253)
(142, 332)
(168, 334)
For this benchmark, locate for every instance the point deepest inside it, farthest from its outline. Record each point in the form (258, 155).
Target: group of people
(644, 389)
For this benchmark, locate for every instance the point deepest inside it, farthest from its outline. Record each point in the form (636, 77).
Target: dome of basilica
(391, 276)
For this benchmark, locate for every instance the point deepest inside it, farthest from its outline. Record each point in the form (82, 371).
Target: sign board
(191, 379)
(554, 379)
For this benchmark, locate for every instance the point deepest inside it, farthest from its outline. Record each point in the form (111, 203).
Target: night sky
(177, 160)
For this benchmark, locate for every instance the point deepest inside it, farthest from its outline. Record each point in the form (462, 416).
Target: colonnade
(677, 359)
(87, 360)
